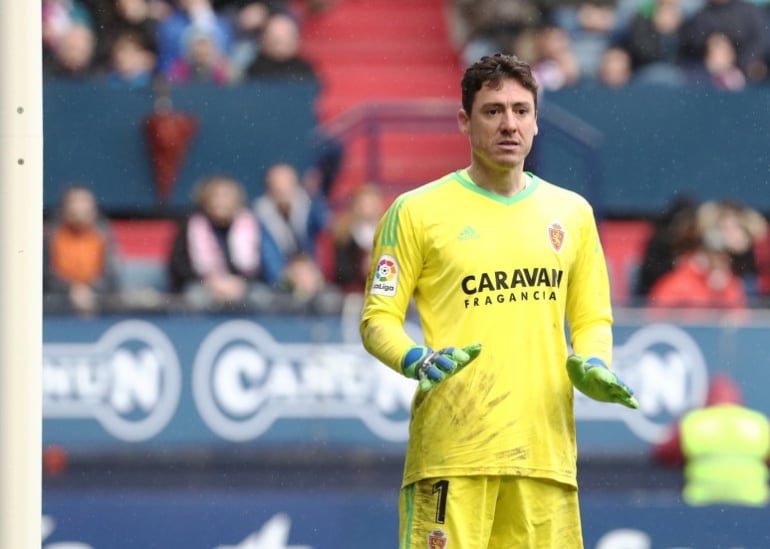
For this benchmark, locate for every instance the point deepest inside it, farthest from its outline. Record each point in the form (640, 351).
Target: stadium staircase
(376, 59)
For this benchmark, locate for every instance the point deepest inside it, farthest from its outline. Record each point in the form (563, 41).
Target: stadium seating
(624, 243)
(379, 51)
(144, 247)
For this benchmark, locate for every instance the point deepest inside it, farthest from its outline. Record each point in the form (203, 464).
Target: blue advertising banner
(175, 382)
(340, 520)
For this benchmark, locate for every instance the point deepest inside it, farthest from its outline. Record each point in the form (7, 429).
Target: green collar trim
(465, 180)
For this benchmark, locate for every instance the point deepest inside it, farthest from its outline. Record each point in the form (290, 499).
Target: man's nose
(508, 122)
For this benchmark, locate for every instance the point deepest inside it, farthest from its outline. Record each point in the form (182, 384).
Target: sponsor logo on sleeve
(385, 280)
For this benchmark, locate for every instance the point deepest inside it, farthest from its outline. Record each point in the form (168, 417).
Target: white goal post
(21, 214)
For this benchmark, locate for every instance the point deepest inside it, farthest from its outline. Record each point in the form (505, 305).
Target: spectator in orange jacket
(80, 261)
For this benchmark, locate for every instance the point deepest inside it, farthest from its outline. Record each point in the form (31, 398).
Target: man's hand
(431, 367)
(591, 377)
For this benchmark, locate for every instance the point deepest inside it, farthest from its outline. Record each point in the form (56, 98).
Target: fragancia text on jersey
(535, 284)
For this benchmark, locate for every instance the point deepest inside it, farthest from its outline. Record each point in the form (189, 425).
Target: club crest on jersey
(385, 279)
(437, 539)
(556, 235)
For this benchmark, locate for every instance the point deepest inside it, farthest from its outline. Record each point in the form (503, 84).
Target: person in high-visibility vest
(726, 446)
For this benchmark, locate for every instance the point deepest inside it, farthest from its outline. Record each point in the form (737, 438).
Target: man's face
(221, 202)
(79, 209)
(502, 125)
(282, 184)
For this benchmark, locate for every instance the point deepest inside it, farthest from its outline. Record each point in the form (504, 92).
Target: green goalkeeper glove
(591, 377)
(431, 367)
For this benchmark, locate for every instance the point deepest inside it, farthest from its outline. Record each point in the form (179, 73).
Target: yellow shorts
(489, 512)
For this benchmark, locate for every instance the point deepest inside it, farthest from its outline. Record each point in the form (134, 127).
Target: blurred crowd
(714, 254)
(722, 43)
(289, 249)
(719, 43)
(131, 42)
(226, 255)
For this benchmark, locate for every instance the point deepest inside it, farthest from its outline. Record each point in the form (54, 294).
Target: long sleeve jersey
(506, 273)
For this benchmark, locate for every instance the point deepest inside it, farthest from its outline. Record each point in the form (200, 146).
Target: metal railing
(371, 121)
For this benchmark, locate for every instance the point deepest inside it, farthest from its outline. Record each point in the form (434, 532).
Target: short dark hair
(494, 68)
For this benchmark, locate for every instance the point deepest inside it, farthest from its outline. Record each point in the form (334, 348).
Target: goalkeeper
(495, 259)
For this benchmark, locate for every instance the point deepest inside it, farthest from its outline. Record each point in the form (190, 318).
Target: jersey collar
(465, 180)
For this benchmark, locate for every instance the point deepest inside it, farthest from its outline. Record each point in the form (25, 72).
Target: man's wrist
(595, 361)
(412, 359)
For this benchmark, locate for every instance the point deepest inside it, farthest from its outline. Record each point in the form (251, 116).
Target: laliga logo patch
(556, 236)
(437, 539)
(385, 280)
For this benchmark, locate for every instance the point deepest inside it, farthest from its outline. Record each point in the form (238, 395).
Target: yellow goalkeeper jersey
(507, 273)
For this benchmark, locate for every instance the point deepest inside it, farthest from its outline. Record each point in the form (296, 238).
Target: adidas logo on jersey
(468, 233)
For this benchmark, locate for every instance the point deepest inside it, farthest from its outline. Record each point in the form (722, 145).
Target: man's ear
(463, 121)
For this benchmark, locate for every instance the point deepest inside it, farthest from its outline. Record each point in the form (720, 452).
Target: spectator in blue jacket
(189, 18)
(293, 218)
(291, 215)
